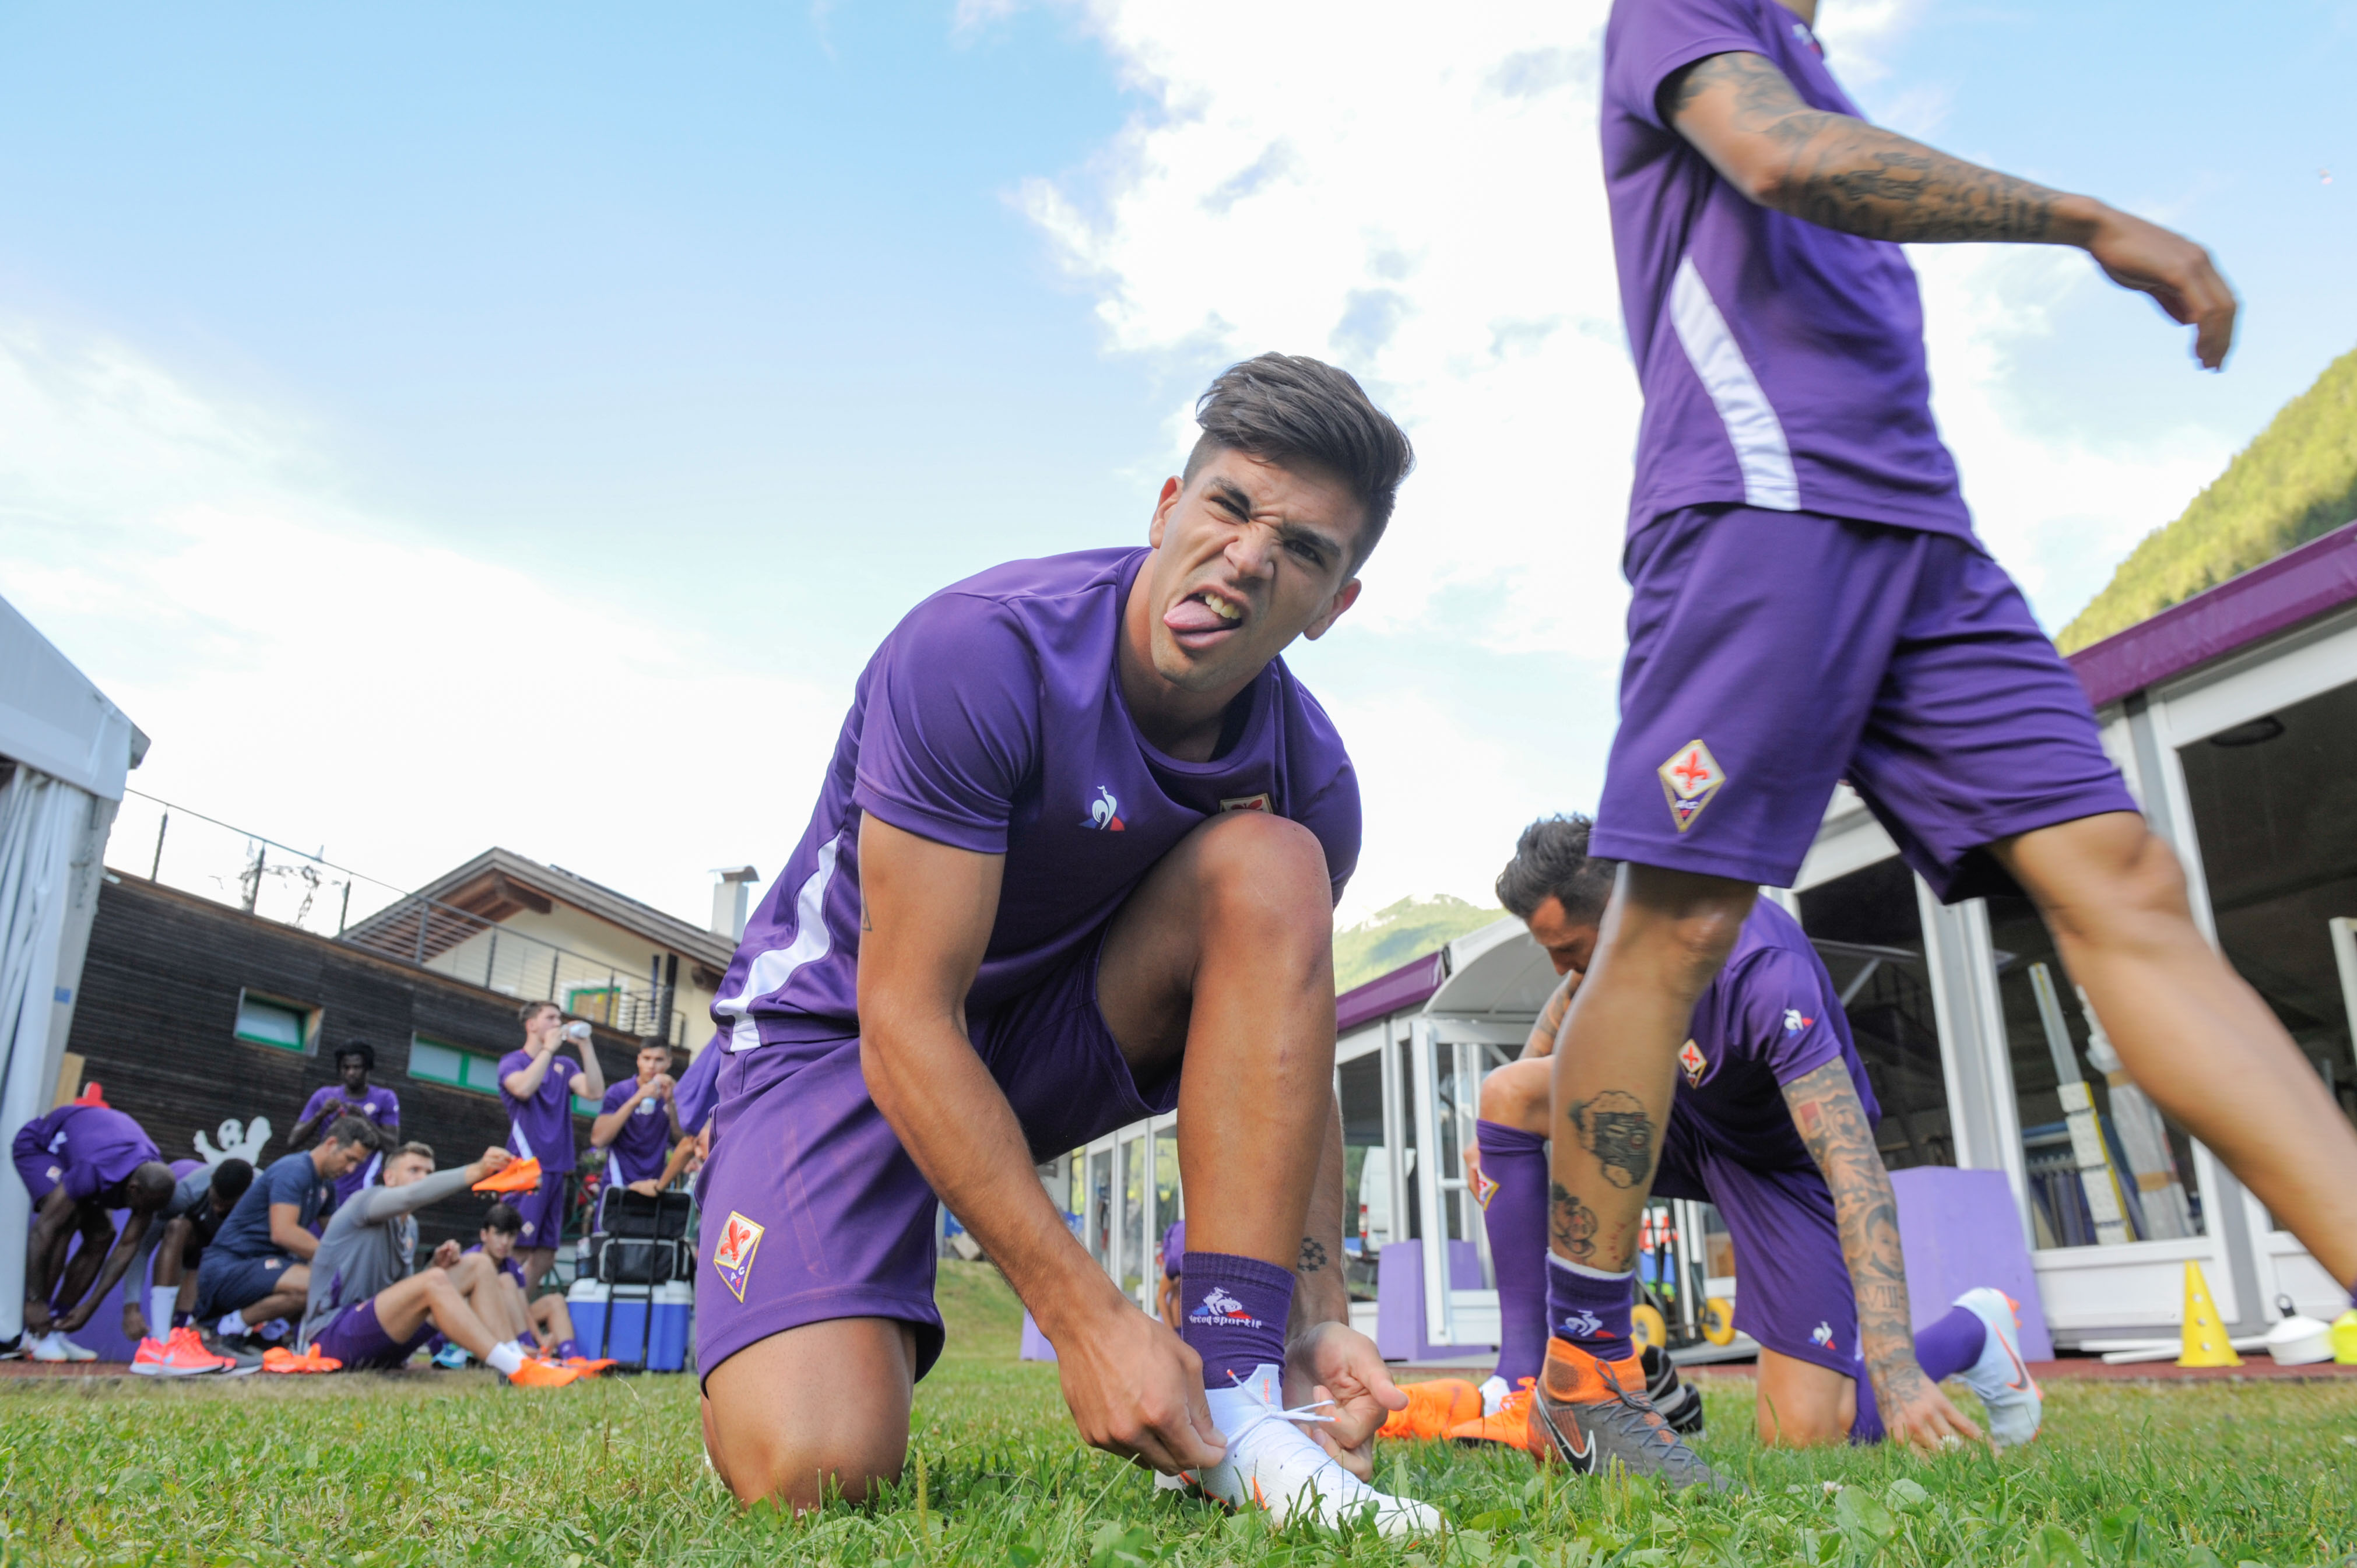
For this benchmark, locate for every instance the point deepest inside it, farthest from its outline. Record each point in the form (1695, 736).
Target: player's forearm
(1832, 1122)
(286, 1232)
(953, 1120)
(1320, 1294)
(593, 1076)
(526, 1081)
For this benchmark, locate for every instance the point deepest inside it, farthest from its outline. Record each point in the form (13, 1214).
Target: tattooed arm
(1744, 116)
(1832, 1122)
(1551, 1017)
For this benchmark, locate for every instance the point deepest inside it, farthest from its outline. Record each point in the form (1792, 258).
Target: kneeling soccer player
(1772, 1121)
(1074, 862)
(371, 1306)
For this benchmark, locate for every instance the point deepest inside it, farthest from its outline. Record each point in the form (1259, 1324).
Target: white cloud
(310, 674)
(1417, 194)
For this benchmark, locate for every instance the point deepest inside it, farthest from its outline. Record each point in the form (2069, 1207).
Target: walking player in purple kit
(537, 1087)
(1074, 862)
(1810, 605)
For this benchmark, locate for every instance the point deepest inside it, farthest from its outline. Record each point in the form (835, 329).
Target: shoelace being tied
(1267, 1410)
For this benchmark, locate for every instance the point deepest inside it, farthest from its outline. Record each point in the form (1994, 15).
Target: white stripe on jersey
(772, 967)
(1752, 427)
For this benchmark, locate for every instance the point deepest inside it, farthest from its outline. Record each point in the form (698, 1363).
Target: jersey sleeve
(1785, 1015)
(616, 1093)
(1651, 40)
(1333, 814)
(318, 1101)
(952, 730)
(291, 1180)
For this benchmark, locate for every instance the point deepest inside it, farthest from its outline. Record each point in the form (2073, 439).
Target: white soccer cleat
(2001, 1377)
(55, 1346)
(1272, 1463)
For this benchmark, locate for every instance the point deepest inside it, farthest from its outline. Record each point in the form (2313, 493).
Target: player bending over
(202, 1197)
(258, 1268)
(1074, 863)
(1774, 1122)
(1810, 605)
(79, 1163)
(639, 1124)
(371, 1307)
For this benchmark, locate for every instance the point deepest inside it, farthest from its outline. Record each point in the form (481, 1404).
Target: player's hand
(37, 1319)
(647, 1187)
(661, 1085)
(493, 1161)
(446, 1256)
(1915, 1413)
(1135, 1390)
(135, 1323)
(1335, 1361)
(78, 1316)
(2176, 272)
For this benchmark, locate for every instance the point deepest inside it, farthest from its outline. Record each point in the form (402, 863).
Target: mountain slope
(1389, 938)
(2296, 481)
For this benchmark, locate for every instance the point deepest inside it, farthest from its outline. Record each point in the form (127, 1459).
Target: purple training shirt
(541, 1128)
(992, 719)
(90, 1147)
(1771, 1016)
(1781, 362)
(379, 1106)
(640, 1149)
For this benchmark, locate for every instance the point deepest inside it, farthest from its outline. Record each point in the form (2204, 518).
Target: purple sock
(570, 1348)
(1231, 1313)
(1514, 1211)
(1590, 1309)
(1951, 1345)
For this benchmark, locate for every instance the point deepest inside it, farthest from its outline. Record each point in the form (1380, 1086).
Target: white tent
(65, 750)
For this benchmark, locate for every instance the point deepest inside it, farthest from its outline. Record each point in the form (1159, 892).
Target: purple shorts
(38, 1169)
(356, 1338)
(1774, 654)
(544, 1212)
(813, 1210)
(1792, 1287)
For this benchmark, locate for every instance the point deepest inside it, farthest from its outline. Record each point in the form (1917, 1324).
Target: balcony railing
(200, 854)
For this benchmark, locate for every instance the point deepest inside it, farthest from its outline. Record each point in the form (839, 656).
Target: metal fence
(200, 854)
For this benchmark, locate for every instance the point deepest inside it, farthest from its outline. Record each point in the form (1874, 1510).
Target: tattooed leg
(1664, 935)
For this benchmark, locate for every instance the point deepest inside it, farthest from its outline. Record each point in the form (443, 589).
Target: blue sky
(440, 427)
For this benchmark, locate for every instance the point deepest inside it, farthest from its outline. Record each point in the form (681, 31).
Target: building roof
(2296, 586)
(54, 720)
(499, 883)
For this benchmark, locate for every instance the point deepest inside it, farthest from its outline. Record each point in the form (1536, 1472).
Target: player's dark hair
(655, 1043)
(422, 1151)
(504, 1219)
(1282, 406)
(151, 1183)
(231, 1179)
(531, 1010)
(356, 1047)
(351, 1130)
(1551, 861)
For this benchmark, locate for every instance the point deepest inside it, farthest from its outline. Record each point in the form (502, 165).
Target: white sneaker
(55, 1346)
(2000, 1377)
(1272, 1463)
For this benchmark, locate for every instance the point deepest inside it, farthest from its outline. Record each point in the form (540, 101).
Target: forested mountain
(1389, 938)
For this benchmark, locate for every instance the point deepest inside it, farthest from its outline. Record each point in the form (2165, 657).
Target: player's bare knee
(1258, 867)
(800, 1475)
(1516, 1094)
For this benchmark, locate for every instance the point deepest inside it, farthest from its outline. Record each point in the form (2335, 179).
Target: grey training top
(370, 1246)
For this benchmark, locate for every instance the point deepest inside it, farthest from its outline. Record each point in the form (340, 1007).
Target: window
(271, 1021)
(598, 1003)
(1868, 929)
(438, 1063)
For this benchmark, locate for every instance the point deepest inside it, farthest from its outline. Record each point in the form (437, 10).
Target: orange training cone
(2206, 1344)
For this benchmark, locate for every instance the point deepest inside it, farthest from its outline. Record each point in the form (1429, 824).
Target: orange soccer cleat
(1432, 1409)
(541, 1375)
(520, 1175)
(1509, 1423)
(588, 1366)
(278, 1359)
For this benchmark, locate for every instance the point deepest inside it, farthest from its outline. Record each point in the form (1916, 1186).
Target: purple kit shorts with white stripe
(355, 1337)
(1774, 654)
(811, 1209)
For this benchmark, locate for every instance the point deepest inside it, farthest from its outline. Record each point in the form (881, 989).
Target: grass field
(435, 1468)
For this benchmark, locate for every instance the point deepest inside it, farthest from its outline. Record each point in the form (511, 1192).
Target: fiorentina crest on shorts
(1484, 1189)
(740, 1239)
(1688, 781)
(1695, 1064)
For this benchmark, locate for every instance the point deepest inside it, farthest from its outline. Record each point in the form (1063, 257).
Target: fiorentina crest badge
(1695, 1064)
(740, 1239)
(1484, 1189)
(1246, 802)
(1688, 781)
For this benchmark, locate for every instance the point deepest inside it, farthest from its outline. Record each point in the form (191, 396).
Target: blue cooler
(587, 1302)
(629, 1337)
(674, 1315)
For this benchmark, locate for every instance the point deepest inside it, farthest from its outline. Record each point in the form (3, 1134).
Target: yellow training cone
(2205, 1337)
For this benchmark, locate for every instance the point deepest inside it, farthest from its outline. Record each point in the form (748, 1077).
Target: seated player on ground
(351, 1095)
(257, 1269)
(202, 1197)
(548, 1320)
(1075, 861)
(79, 1164)
(537, 1088)
(639, 1124)
(1810, 606)
(371, 1307)
(1772, 1121)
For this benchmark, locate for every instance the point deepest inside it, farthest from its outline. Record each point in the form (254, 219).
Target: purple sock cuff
(1590, 1311)
(1231, 1313)
(1496, 1136)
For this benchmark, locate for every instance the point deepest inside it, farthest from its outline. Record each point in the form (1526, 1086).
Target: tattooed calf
(1571, 1223)
(1614, 1128)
